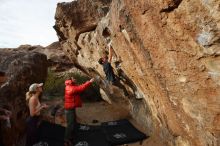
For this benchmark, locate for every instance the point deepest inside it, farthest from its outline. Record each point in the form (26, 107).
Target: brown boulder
(57, 59)
(19, 70)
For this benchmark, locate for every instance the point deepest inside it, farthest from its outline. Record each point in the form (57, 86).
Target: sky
(27, 22)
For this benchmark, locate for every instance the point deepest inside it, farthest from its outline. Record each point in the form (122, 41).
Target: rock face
(18, 71)
(57, 60)
(166, 53)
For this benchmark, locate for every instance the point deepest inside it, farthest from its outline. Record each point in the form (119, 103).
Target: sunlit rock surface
(166, 55)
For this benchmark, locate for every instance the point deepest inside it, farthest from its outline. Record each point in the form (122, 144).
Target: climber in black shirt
(110, 76)
(106, 63)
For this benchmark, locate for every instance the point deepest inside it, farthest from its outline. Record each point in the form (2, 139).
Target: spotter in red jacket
(72, 94)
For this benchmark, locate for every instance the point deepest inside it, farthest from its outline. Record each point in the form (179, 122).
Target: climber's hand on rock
(92, 80)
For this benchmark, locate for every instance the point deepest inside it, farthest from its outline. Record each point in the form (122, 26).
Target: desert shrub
(54, 85)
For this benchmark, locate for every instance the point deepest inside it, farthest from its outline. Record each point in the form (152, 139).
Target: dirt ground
(97, 112)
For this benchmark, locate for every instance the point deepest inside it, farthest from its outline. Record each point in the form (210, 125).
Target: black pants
(72, 127)
(32, 130)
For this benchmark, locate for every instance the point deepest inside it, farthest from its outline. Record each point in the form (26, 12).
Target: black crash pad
(121, 132)
(107, 134)
(89, 135)
(53, 135)
(49, 142)
(91, 138)
(51, 131)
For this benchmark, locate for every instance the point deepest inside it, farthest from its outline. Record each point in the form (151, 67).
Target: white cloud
(27, 22)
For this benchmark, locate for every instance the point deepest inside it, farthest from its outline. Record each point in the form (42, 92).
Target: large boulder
(18, 71)
(57, 59)
(75, 18)
(167, 54)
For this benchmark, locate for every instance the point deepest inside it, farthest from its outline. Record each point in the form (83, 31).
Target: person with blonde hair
(35, 107)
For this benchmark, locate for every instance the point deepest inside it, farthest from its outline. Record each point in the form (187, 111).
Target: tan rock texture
(166, 55)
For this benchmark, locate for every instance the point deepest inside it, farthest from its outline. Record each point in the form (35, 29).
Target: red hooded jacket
(72, 94)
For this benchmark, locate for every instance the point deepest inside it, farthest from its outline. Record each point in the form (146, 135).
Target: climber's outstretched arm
(110, 54)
